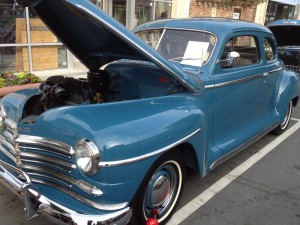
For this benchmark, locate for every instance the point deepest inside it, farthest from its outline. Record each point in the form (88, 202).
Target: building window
(98, 3)
(279, 11)
(117, 9)
(162, 9)
(26, 44)
(143, 11)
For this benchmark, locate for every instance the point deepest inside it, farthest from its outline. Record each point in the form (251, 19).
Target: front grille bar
(55, 146)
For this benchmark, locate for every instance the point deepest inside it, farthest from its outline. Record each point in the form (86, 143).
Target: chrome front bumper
(37, 204)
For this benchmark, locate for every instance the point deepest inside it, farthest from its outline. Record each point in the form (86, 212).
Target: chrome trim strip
(232, 82)
(148, 155)
(7, 153)
(12, 125)
(46, 207)
(9, 136)
(39, 149)
(28, 162)
(56, 146)
(187, 85)
(61, 181)
(4, 142)
(241, 147)
(47, 159)
(240, 80)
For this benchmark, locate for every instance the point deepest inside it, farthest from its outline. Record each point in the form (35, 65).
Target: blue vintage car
(113, 148)
(288, 42)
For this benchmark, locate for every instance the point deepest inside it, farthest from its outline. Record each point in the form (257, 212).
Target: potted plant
(14, 81)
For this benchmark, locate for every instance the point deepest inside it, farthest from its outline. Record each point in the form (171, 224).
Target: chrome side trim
(242, 147)
(36, 203)
(143, 157)
(232, 82)
(56, 146)
(240, 80)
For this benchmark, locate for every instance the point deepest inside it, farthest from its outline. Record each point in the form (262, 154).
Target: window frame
(236, 36)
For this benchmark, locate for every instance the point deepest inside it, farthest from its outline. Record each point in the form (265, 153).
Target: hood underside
(286, 32)
(95, 38)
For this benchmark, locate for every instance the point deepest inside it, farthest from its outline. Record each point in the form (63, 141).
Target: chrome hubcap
(162, 190)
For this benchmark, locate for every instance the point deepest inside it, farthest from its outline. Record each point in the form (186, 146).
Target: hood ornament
(2, 116)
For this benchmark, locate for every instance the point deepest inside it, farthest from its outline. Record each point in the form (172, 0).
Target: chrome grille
(7, 139)
(49, 160)
(45, 160)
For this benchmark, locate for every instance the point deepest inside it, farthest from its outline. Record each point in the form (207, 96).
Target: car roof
(214, 25)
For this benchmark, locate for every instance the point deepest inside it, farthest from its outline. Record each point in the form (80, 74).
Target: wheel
(283, 126)
(160, 190)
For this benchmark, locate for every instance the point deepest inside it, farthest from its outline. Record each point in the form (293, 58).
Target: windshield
(185, 46)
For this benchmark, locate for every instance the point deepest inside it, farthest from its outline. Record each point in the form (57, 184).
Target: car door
(241, 109)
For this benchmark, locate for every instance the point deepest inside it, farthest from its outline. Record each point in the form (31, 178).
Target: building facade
(26, 44)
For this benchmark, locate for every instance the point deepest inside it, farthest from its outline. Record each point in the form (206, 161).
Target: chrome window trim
(143, 157)
(237, 81)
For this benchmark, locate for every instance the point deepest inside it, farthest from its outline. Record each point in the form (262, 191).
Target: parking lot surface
(258, 186)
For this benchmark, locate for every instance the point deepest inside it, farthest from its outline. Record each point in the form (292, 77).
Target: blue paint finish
(229, 106)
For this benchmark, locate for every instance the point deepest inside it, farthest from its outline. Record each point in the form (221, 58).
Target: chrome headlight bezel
(87, 156)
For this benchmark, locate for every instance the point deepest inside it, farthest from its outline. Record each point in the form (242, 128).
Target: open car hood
(96, 38)
(286, 32)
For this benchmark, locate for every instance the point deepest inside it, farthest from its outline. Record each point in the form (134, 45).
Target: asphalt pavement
(264, 191)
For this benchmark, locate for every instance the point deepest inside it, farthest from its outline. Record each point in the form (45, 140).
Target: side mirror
(232, 57)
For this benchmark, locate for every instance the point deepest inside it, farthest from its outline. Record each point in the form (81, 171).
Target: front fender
(122, 131)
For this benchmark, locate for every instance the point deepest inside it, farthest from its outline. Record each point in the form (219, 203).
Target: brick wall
(199, 9)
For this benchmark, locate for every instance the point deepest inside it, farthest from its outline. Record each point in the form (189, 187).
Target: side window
(245, 50)
(269, 51)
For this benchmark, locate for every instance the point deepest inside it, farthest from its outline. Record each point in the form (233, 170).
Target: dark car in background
(288, 42)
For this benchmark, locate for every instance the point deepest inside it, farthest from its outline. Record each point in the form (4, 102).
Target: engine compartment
(117, 82)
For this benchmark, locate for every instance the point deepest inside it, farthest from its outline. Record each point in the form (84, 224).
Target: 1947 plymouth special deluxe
(113, 148)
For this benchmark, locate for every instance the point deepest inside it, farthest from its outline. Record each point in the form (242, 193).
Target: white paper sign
(195, 53)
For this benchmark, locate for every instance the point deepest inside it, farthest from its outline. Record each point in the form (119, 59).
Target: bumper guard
(37, 204)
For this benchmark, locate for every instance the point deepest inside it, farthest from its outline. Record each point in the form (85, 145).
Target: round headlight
(87, 156)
